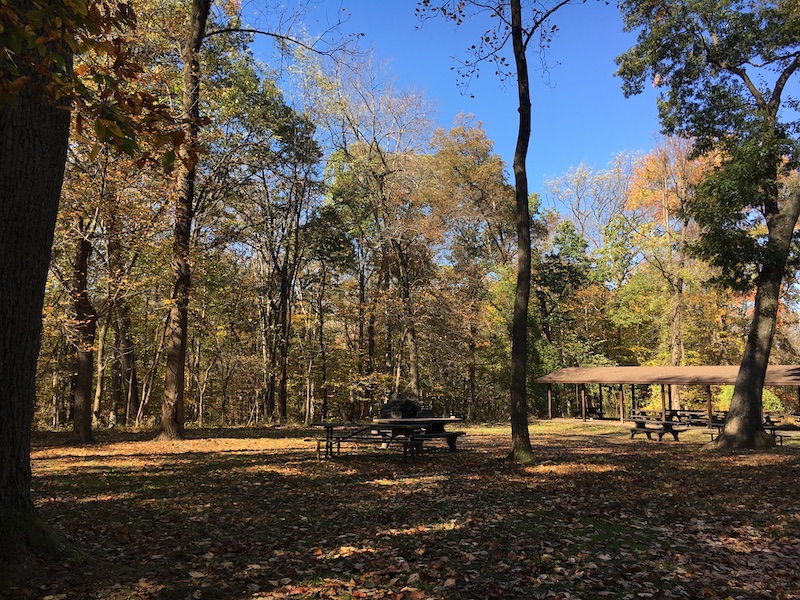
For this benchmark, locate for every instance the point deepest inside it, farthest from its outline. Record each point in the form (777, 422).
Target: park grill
(400, 406)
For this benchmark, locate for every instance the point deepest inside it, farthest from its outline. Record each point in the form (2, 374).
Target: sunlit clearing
(342, 552)
(99, 466)
(762, 459)
(449, 525)
(569, 469)
(278, 470)
(414, 481)
(103, 498)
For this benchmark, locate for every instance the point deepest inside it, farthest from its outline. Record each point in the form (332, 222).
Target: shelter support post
(600, 401)
(583, 401)
(663, 403)
(549, 400)
(621, 403)
(709, 409)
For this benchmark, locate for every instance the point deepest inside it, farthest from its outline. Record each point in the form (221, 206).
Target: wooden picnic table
(648, 426)
(410, 433)
(698, 417)
(779, 432)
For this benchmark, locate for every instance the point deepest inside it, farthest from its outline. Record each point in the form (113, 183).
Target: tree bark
(284, 329)
(267, 356)
(33, 150)
(85, 328)
(676, 333)
(521, 450)
(172, 405)
(744, 425)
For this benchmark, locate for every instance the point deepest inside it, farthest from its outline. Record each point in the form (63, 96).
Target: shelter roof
(788, 375)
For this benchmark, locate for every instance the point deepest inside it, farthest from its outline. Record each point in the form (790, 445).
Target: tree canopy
(725, 68)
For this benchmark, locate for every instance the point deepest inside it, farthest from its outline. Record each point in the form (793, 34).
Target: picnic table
(698, 417)
(779, 432)
(647, 425)
(410, 433)
(687, 417)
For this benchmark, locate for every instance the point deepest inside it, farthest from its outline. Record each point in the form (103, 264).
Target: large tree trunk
(362, 317)
(33, 150)
(267, 358)
(284, 329)
(85, 328)
(521, 450)
(744, 426)
(172, 406)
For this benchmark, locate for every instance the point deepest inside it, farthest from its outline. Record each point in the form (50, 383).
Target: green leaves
(723, 67)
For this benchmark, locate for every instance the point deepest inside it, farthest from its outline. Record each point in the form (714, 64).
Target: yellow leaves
(568, 469)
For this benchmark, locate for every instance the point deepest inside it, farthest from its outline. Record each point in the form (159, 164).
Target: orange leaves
(664, 178)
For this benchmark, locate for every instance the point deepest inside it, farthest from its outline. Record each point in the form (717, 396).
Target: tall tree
(662, 186)
(172, 406)
(513, 25)
(172, 414)
(33, 149)
(37, 84)
(379, 133)
(85, 328)
(470, 192)
(725, 67)
(593, 198)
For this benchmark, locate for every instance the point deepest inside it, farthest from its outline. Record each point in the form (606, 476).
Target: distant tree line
(342, 248)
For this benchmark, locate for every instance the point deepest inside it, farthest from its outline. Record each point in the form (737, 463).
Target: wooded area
(241, 243)
(344, 248)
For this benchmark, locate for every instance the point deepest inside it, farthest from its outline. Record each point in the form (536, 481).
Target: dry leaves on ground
(252, 514)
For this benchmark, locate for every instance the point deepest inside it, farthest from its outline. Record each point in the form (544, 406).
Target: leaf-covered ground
(253, 514)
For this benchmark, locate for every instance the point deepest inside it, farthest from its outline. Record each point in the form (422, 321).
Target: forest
(337, 246)
(200, 245)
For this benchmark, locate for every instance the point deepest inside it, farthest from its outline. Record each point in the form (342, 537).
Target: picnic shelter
(616, 378)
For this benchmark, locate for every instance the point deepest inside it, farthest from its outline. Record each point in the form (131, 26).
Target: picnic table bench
(779, 432)
(410, 433)
(648, 426)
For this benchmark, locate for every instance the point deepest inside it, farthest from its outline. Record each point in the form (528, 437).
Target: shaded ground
(253, 514)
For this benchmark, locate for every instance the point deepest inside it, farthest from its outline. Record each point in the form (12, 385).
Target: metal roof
(788, 375)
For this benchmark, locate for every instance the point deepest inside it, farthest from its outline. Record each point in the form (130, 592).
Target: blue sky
(579, 112)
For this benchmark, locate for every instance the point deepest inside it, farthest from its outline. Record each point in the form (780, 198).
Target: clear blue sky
(579, 111)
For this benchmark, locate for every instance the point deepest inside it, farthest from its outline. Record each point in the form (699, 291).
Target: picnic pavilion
(616, 378)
